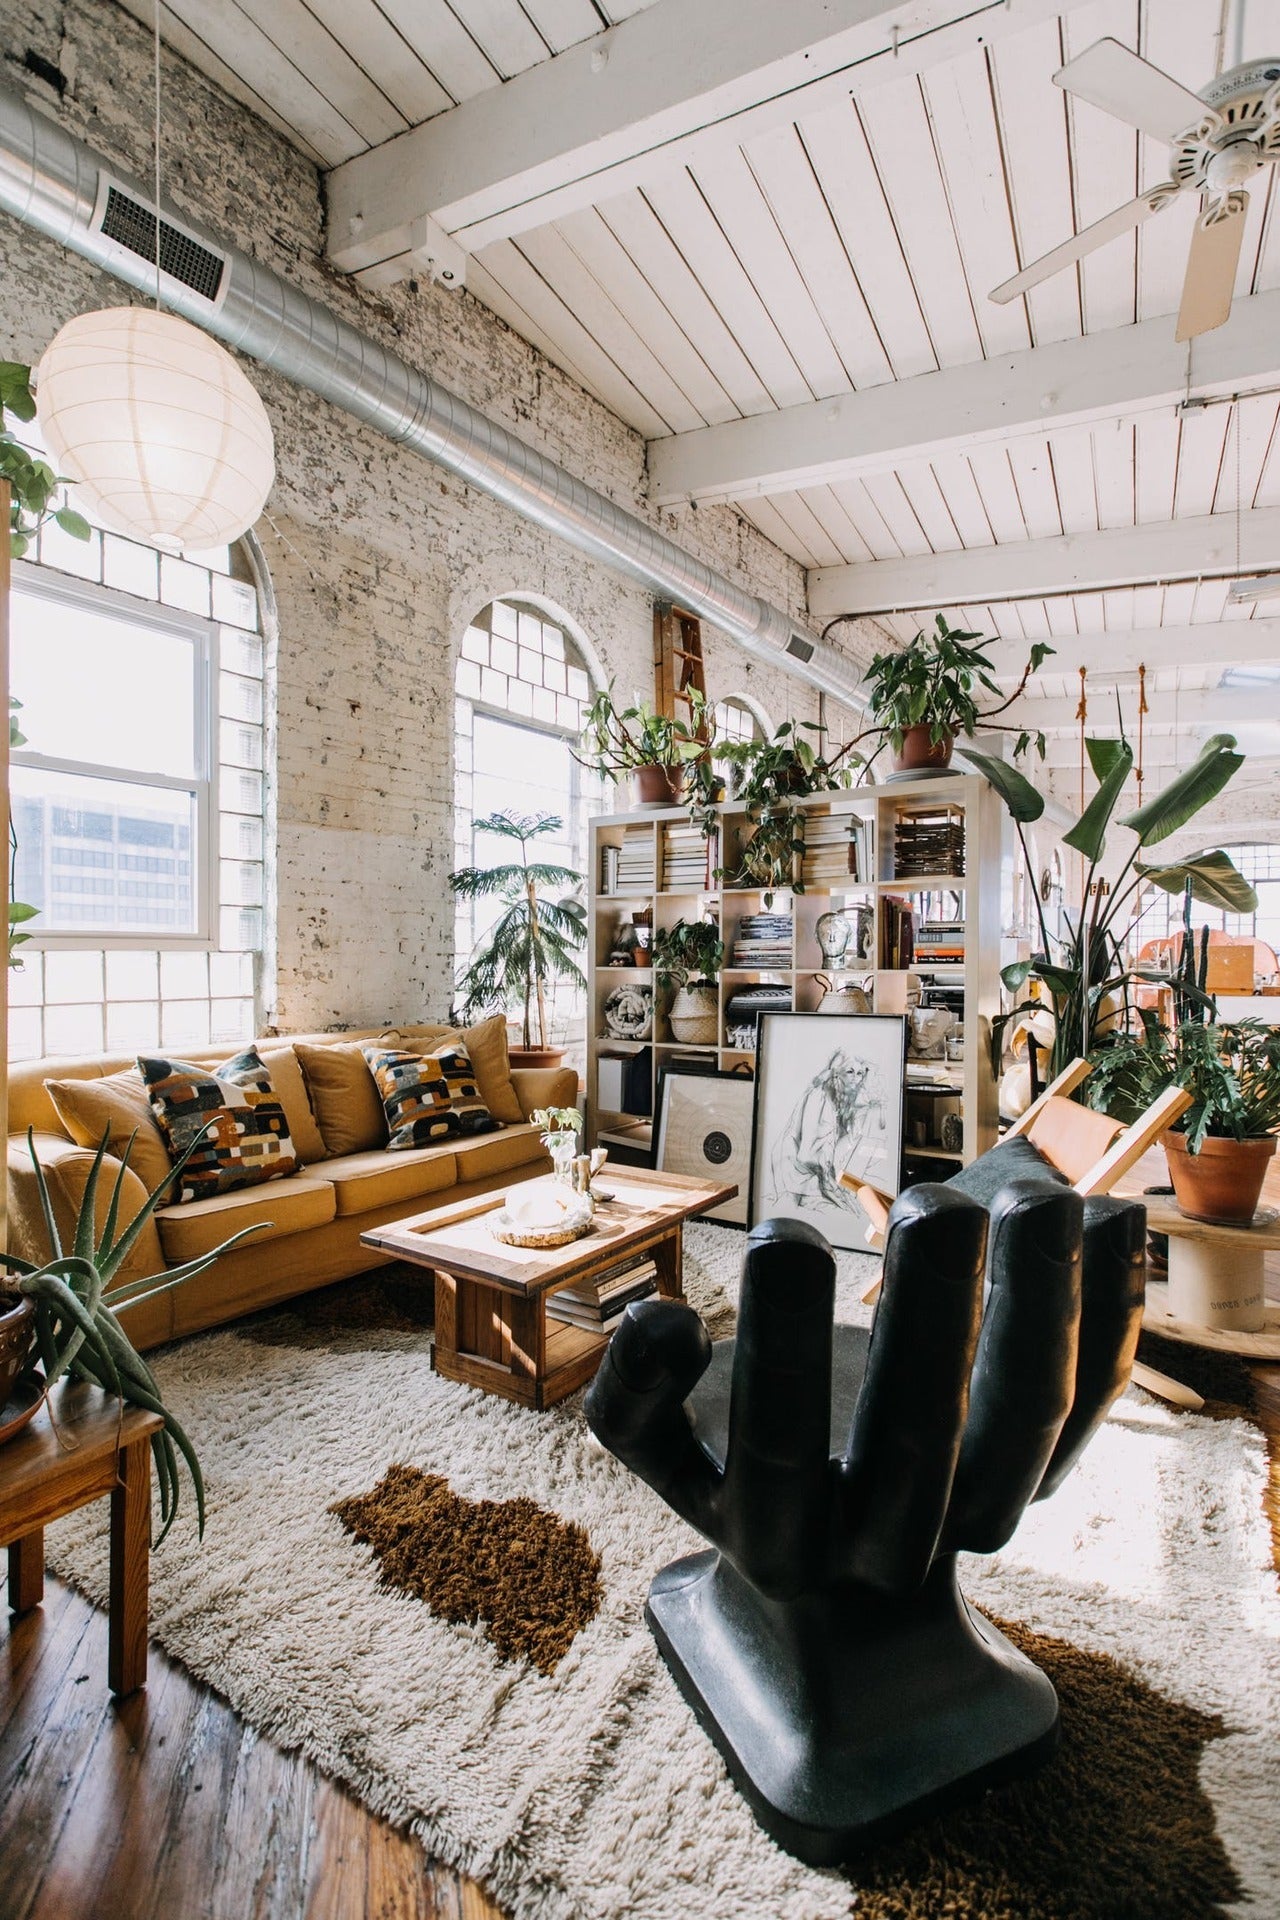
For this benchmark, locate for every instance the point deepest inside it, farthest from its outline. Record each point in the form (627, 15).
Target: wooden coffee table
(491, 1320)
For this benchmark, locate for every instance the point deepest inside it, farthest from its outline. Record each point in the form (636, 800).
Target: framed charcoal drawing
(829, 1098)
(704, 1129)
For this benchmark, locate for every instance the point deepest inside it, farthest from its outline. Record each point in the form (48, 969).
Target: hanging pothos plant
(36, 492)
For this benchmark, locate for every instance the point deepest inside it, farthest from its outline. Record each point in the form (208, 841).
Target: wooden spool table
(1215, 1276)
(491, 1299)
(92, 1446)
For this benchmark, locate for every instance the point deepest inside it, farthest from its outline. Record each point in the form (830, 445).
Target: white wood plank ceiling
(846, 249)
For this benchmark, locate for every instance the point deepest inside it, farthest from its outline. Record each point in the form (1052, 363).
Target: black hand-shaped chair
(823, 1640)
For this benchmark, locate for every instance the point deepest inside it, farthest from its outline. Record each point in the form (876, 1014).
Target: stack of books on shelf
(837, 850)
(598, 1304)
(897, 932)
(686, 865)
(628, 868)
(764, 940)
(928, 841)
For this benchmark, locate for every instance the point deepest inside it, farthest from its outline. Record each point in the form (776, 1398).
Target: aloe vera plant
(76, 1328)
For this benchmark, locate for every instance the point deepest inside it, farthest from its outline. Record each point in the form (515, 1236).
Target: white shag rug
(591, 1794)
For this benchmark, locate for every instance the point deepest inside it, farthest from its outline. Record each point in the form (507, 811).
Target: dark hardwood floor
(168, 1807)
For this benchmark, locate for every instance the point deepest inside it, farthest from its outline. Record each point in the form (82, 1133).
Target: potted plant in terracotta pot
(539, 932)
(1219, 1152)
(648, 748)
(926, 693)
(689, 957)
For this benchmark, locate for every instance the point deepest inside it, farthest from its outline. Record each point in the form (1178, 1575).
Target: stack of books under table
(599, 1304)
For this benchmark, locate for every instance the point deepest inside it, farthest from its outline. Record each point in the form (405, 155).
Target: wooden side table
(1215, 1294)
(99, 1447)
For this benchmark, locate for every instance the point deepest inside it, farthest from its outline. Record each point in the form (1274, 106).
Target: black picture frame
(730, 1112)
(809, 1121)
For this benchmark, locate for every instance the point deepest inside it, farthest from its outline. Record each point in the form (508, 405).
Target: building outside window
(138, 799)
(523, 685)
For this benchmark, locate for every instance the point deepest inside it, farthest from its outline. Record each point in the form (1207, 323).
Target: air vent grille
(799, 648)
(133, 226)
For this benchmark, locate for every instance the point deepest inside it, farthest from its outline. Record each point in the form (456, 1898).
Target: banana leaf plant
(1080, 971)
(76, 1297)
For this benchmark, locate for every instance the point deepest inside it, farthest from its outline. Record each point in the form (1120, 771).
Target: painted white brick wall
(378, 559)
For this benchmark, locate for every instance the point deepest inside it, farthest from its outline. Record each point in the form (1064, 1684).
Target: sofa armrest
(66, 1169)
(545, 1087)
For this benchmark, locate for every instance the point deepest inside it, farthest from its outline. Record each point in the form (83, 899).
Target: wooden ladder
(678, 670)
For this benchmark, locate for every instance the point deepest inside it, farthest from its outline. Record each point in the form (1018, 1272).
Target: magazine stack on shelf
(635, 862)
(686, 865)
(764, 940)
(928, 841)
(598, 1304)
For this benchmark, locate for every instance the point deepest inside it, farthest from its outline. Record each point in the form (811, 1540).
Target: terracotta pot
(535, 1056)
(918, 750)
(1223, 1182)
(17, 1334)
(657, 786)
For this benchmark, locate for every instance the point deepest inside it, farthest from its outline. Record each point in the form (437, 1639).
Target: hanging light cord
(156, 77)
(1143, 710)
(1082, 715)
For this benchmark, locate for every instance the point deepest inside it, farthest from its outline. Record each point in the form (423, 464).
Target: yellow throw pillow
(486, 1046)
(344, 1098)
(291, 1091)
(116, 1104)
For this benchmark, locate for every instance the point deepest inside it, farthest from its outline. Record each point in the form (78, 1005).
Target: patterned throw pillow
(248, 1140)
(415, 1097)
(474, 1115)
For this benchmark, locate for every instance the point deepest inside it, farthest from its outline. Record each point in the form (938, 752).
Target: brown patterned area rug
(440, 1598)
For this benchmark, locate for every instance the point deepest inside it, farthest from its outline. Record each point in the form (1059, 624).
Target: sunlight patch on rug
(531, 1577)
(1116, 1827)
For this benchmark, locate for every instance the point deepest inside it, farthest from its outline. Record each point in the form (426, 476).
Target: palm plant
(1080, 971)
(534, 939)
(75, 1299)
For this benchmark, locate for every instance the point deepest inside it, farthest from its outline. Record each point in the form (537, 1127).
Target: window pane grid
(72, 1000)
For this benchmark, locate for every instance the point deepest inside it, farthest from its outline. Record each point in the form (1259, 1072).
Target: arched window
(523, 685)
(138, 795)
(735, 721)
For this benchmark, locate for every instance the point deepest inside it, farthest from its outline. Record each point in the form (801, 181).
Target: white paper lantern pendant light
(151, 419)
(156, 426)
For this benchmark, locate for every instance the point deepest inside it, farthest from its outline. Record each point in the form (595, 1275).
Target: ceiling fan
(1219, 139)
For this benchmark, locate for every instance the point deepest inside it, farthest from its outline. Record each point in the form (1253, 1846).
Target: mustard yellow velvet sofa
(311, 1222)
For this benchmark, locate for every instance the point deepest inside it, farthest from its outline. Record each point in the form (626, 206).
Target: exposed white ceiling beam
(1220, 643)
(1070, 563)
(1124, 370)
(1217, 709)
(643, 97)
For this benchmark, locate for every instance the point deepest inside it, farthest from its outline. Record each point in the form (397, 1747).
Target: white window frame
(203, 635)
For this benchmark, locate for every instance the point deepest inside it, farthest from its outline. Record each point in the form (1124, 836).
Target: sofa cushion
(415, 1097)
(283, 1207)
(234, 1115)
(486, 1045)
(491, 1154)
(283, 1065)
(344, 1098)
(117, 1104)
(363, 1181)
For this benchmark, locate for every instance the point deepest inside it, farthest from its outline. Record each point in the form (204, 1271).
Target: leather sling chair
(822, 1639)
(1087, 1149)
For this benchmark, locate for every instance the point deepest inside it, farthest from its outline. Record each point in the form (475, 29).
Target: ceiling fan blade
(1120, 82)
(1211, 272)
(1132, 214)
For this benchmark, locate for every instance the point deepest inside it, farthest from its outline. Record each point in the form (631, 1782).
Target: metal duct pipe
(55, 183)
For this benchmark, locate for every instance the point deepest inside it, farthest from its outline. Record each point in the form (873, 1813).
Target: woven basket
(695, 1016)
